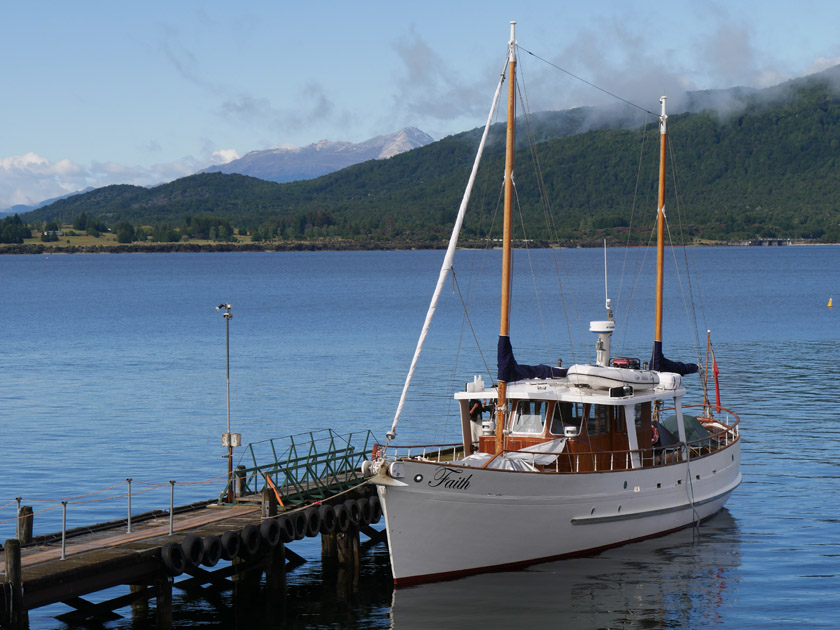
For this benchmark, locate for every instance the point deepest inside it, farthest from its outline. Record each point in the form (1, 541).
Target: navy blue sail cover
(659, 363)
(510, 371)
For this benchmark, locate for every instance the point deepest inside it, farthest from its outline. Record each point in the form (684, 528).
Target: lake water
(114, 367)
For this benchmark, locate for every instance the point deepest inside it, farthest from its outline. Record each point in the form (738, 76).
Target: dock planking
(106, 558)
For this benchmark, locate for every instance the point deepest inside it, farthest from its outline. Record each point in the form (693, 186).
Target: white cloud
(223, 156)
(30, 178)
(822, 63)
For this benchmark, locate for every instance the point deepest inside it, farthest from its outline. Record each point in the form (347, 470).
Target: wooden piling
(16, 617)
(269, 502)
(241, 481)
(163, 600)
(329, 548)
(347, 545)
(275, 572)
(25, 522)
(139, 607)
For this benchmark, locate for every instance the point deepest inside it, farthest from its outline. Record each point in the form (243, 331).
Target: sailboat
(577, 459)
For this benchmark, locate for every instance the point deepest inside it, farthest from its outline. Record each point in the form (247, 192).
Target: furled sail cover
(659, 363)
(510, 371)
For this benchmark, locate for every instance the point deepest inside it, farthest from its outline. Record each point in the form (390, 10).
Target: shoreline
(315, 246)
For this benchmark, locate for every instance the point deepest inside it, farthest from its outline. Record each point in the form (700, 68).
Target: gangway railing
(302, 467)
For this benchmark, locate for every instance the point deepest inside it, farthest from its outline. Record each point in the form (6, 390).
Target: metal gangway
(300, 468)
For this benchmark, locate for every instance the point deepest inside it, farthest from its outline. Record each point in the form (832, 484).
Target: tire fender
(231, 544)
(287, 528)
(342, 518)
(193, 548)
(328, 520)
(354, 511)
(251, 539)
(270, 531)
(375, 509)
(212, 550)
(173, 558)
(301, 521)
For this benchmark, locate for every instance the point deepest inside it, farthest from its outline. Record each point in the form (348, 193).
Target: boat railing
(723, 432)
(428, 452)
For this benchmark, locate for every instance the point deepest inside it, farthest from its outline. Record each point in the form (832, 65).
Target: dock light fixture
(228, 439)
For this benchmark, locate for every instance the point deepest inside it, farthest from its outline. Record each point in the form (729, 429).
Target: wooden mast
(660, 221)
(504, 325)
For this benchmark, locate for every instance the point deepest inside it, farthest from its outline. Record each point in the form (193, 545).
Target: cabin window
(566, 417)
(529, 416)
(602, 416)
(620, 424)
(598, 422)
(642, 414)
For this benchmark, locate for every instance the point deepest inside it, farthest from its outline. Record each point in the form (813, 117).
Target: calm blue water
(114, 367)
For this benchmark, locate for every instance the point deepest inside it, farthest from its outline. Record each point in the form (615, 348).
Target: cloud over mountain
(290, 164)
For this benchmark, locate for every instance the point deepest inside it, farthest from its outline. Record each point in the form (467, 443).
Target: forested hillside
(769, 170)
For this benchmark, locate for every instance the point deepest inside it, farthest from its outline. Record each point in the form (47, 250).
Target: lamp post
(228, 439)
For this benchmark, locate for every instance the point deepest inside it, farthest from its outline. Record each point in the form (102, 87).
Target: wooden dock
(250, 539)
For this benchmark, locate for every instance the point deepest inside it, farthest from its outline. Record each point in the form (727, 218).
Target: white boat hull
(444, 520)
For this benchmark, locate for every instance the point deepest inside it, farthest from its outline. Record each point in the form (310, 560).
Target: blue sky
(96, 93)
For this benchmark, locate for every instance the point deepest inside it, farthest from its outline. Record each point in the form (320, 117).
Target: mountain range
(752, 163)
(291, 164)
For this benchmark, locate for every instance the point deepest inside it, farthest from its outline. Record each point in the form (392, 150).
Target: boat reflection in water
(681, 580)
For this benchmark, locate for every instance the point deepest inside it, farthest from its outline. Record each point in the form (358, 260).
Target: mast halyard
(660, 225)
(504, 323)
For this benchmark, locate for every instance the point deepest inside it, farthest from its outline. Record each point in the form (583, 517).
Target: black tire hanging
(212, 550)
(193, 548)
(353, 511)
(313, 522)
(251, 540)
(287, 528)
(301, 521)
(328, 520)
(375, 509)
(270, 531)
(173, 558)
(342, 518)
(231, 544)
(364, 511)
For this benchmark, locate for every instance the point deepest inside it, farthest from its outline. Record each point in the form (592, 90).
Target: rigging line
(522, 221)
(590, 84)
(553, 230)
(690, 313)
(532, 146)
(677, 196)
(469, 323)
(531, 266)
(625, 323)
(447, 263)
(640, 263)
(639, 267)
(680, 282)
(440, 434)
(442, 426)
